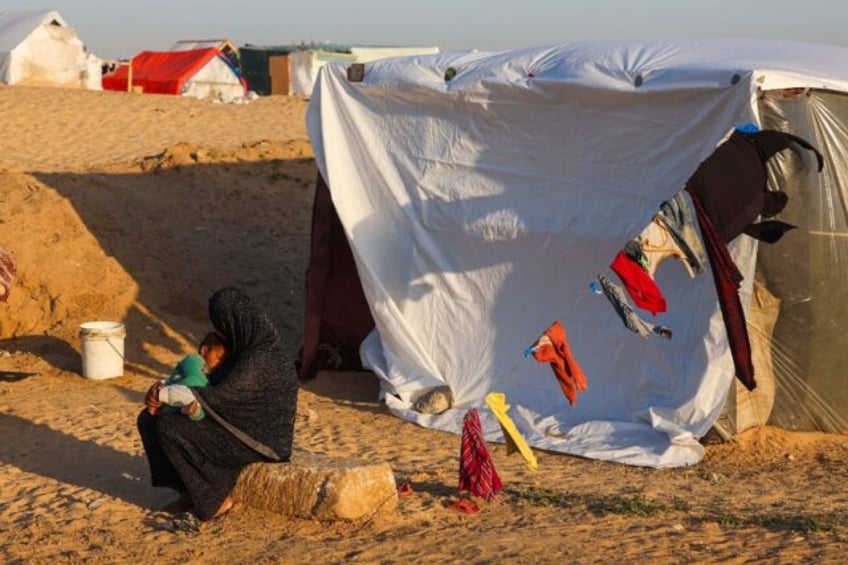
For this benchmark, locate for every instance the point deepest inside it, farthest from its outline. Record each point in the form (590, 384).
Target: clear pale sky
(120, 28)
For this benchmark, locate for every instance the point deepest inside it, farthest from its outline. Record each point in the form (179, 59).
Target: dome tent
(479, 203)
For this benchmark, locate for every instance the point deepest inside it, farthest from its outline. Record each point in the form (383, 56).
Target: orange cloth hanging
(552, 347)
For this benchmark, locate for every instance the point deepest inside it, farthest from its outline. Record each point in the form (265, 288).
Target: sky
(121, 28)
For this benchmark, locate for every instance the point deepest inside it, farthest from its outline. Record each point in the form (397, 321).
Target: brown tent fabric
(746, 409)
(336, 314)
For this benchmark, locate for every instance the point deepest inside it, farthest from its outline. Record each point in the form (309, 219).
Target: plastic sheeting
(808, 269)
(479, 209)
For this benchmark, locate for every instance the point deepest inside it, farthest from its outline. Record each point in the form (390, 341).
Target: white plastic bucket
(102, 349)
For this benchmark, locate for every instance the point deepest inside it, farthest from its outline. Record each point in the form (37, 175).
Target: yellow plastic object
(514, 440)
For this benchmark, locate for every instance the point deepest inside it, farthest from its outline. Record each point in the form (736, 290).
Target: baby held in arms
(191, 372)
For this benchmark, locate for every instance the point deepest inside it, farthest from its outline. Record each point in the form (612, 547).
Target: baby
(191, 372)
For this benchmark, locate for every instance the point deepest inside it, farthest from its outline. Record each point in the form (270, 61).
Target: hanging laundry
(8, 270)
(632, 321)
(657, 245)
(514, 440)
(633, 249)
(679, 219)
(639, 284)
(768, 231)
(731, 184)
(477, 472)
(727, 280)
(773, 203)
(552, 347)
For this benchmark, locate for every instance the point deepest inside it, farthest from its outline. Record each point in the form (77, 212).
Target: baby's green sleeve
(190, 371)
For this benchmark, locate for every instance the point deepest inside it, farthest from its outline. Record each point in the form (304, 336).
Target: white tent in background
(225, 46)
(222, 45)
(305, 64)
(38, 47)
(481, 193)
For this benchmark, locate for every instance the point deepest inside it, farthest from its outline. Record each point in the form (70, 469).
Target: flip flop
(405, 490)
(465, 506)
(185, 522)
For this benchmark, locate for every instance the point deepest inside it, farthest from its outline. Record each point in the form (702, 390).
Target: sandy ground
(133, 207)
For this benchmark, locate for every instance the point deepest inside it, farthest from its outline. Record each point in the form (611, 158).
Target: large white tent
(481, 193)
(38, 47)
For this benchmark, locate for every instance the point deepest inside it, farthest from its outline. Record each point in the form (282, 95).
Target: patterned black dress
(255, 391)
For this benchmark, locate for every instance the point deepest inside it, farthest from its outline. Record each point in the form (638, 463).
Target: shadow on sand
(182, 232)
(37, 448)
(355, 389)
(58, 353)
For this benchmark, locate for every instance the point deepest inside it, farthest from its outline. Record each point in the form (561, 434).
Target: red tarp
(161, 72)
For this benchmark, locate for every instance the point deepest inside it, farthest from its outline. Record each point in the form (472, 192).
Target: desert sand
(136, 208)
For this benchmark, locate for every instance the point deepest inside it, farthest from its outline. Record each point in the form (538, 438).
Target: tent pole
(129, 77)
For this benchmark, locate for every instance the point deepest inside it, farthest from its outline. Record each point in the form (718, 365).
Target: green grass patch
(637, 505)
(641, 506)
(596, 504)
(800, 522)
(543, 497)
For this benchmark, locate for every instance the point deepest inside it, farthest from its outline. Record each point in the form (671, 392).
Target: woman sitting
(250, 406)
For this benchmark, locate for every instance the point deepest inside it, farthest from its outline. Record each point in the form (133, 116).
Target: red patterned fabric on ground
(477, 472)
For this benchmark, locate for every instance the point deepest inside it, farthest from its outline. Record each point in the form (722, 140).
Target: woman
(250, 407)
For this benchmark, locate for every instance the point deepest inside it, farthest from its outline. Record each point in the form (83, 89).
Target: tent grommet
(356, 72)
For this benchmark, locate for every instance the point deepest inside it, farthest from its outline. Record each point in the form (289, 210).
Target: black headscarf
(255, 389)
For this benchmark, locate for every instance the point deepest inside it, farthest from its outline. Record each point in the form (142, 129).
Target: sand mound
(767, 444)
(64, 276)
(187, 154)
(101, 245)
(174, 156)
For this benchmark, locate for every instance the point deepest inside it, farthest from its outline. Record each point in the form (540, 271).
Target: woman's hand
(151, 399)
(191, 410)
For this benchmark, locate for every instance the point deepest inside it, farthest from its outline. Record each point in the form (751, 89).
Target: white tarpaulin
(480, 208)
(216, 80)
(38, 47)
